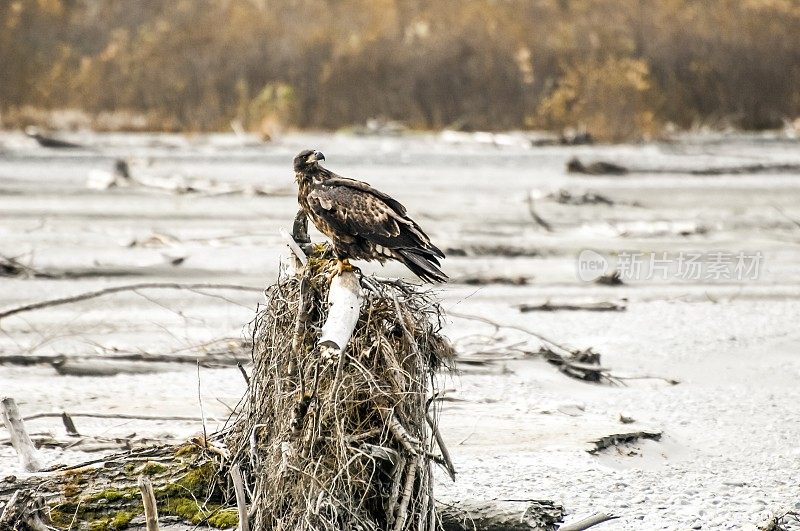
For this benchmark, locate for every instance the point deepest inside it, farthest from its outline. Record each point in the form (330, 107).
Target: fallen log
(615, 439)
(104, 493)
(581, 364)
(235, 352)
(613, 278)
(574, 165)
(565, 197)
(22, 512)
(187, 485)
(500, 515)
(488, 280)
(84, 367)
(48, 141)
(509, 251)
(600, 306)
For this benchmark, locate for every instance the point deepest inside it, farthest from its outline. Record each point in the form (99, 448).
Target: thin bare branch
(119, 289)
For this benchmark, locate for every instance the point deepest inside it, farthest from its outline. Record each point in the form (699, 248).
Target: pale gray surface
(730, 449)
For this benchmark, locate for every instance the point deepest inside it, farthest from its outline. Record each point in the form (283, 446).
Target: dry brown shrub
(614, 100)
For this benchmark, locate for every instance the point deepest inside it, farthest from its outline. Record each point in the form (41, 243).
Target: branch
(149, 502)
(241, 501)
(118, 289)
(20, 440)
(451, 470)
(123, 416)
(586, 523)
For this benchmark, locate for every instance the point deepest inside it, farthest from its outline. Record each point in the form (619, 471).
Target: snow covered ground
(730, 450)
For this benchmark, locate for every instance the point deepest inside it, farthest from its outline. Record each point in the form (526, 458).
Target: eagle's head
(307, 161)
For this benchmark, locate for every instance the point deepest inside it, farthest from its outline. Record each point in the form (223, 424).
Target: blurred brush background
(619, 69)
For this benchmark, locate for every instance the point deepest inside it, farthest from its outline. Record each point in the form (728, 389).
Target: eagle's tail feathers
(436, 251)
(422, 264)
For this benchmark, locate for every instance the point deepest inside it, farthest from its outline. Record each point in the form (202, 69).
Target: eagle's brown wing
(374, 226)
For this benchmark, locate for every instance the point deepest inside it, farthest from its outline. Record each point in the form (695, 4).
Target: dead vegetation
(617, 69)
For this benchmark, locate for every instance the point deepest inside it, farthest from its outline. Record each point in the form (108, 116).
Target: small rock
(734, 483)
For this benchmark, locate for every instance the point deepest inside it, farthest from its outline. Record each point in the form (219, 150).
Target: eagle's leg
(340, 266)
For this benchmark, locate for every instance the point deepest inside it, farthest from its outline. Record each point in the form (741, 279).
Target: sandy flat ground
(730, 448)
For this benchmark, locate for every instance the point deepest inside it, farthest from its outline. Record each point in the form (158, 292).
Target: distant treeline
(616, 68)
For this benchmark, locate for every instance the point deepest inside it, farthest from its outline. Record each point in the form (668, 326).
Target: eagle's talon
(339, 267)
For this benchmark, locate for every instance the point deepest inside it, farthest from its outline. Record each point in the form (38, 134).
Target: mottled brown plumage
(363, 223)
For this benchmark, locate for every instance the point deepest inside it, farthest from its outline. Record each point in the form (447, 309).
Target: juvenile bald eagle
(362, 223)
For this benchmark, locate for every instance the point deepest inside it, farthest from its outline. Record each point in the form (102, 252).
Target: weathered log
(104, 493)
(574, 165)
(109, 367)
(22, 512)
(615, 439)
(599, 306)
(107, 492)
(231, 353)
(481, 280)
(601, 167)
(500, 515)
(48, 141)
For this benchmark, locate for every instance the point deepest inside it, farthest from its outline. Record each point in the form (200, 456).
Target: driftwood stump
(338, 404)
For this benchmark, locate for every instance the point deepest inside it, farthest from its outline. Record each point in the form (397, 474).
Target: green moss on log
(187, 509)
(151, 468)
(181, 488)
(118, 522)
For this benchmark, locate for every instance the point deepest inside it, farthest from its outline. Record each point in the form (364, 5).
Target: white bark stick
(586, 523)
(296, 250)
(149, 501)
(345, 300)
(28, 455)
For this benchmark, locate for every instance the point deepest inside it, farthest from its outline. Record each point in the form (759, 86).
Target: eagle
(362, 222)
